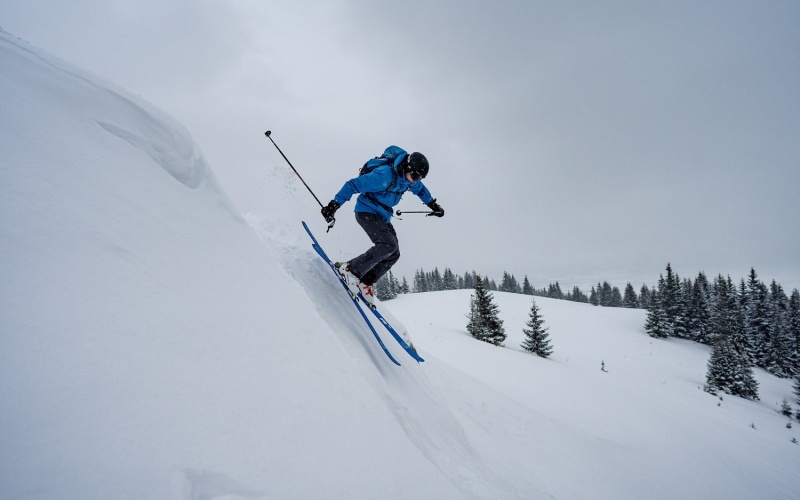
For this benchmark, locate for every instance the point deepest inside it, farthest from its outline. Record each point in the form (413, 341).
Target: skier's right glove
(329, 210)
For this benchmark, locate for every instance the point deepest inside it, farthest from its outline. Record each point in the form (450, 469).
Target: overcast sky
(569, 141)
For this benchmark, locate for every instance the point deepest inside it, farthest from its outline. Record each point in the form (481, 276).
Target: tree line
(748, 324)
(605, 295)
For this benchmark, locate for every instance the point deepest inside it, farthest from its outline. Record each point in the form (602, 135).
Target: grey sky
(568, 140)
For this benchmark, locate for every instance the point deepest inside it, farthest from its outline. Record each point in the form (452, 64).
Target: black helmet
(417, 166)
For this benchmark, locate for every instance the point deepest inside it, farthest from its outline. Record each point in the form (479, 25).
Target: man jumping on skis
(381, 184)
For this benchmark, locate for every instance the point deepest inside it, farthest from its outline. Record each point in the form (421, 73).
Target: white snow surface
(156, 344)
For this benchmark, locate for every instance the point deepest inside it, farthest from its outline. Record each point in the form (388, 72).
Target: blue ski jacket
(382, 186)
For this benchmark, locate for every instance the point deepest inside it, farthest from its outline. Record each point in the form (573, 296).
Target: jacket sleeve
(373, 182)
(419, 189)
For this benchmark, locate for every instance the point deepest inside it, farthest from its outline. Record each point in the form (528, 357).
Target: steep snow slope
(149, 346)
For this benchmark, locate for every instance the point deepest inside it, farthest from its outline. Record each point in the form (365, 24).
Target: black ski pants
(375, 262)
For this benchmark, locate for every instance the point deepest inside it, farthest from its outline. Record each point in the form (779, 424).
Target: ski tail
(408, 348)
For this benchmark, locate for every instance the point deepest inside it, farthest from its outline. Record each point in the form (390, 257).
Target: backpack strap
(374, 200)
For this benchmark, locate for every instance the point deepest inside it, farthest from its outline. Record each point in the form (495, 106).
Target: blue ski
(410, 350)
(325, 257)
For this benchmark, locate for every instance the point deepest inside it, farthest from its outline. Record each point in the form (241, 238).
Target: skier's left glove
(329, 210)
(438, 211)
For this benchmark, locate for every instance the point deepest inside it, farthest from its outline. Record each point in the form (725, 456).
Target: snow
(154, 343)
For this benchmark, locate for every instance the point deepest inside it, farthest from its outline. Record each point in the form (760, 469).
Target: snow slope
(156, 344)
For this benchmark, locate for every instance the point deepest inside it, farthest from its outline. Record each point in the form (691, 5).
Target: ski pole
(268, 133)
(399, 213)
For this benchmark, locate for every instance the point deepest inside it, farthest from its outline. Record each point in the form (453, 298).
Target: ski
(409, 349)
(316, 246)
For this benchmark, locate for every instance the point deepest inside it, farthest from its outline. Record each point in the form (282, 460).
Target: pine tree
(655, 325)
(616, 298)
(724, 317)
(794, 326)
(797, 388)
(506, 285)
(629, 300)
(554, 291)
(593, 298)
(757, 324)
(404, 288)
(576, 295)
(449, 280)
(432, 281)
(682, 328)
(469, 280)
(509, 284)
(786, 408)
(605, 292)
(698, 311)
(385, 288)
(527, 289)
(536, 336)
(420, 282)
(669, 291)
(730, 371)
(644, 297)
(484, 323)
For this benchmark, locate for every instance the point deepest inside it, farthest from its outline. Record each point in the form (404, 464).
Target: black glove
(329, 210)
(437, 210)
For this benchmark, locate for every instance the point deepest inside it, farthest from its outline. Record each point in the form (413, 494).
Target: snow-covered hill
(156, 344)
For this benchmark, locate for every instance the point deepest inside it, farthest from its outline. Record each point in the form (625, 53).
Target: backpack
(389, 157)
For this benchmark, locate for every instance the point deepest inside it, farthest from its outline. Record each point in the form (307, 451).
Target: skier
(381, 184)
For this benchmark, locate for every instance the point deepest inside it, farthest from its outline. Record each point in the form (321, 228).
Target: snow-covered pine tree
(669, 291)
(576, 295)
(629, 299)
(605, 294)
(469, 280)
(730, 371)
(527, 289)
(553, 291)
(450, 281)
(782, 350)
(724, 315)
(797, 388)
(536, 337)
(655, 325)
(506, 284)
(786, 408)
(435, 281)
(794, 326)
(698, 313)
(420, 282)
(682, 327)
(484, 323)
(644, 297)
(616, 298)
(757, 322)
(509, 284)
(385, 288)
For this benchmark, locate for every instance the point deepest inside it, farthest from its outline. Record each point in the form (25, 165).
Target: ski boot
(349, 278)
